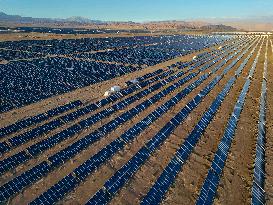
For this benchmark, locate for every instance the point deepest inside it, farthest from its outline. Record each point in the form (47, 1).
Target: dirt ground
(236, 181)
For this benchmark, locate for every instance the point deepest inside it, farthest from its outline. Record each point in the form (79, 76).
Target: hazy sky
(139, 10)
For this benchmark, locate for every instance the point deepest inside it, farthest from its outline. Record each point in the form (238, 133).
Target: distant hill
(83, 20)
(19, 19)
(77, 21)
(30, 20)
(262, 23)
(219, 27)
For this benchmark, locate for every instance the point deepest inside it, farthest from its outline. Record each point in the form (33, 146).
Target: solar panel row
(146, 76)
(209, 188)
(69, 46)
(68, 30)
(258, 193)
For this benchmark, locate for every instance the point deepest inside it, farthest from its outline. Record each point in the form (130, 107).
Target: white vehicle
(115, 88)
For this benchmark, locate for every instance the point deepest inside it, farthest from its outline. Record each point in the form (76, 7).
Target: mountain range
(229, 24)
(258, 23)
(20, 19)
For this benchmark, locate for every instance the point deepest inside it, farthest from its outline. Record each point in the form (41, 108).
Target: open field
(195, 126)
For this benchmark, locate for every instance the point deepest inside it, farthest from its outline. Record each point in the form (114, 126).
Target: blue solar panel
(38, 118)
(258, 192)
(101, 197)
(15, 185)
(54, 194)
(13, 161)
